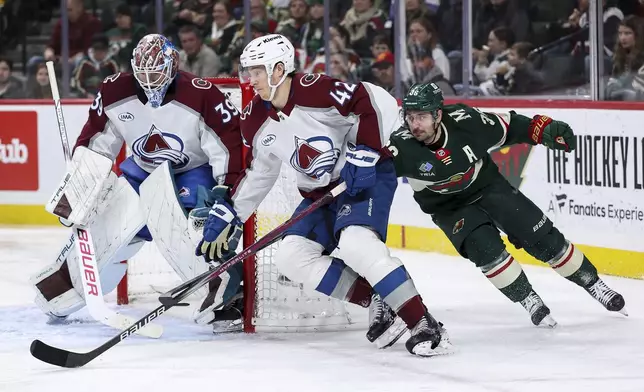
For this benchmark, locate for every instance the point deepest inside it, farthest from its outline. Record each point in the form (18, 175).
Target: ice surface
(498, 348)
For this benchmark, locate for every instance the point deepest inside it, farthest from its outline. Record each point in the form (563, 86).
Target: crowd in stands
(521, 47)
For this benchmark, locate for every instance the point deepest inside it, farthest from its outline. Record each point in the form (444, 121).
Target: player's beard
(427, 137)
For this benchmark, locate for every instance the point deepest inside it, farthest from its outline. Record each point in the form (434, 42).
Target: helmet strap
(274, 87)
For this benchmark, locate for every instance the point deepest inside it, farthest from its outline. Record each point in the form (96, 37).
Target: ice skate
(428, 338)
(385, 327)
(606, 296)
(230, 318)
(539, 312)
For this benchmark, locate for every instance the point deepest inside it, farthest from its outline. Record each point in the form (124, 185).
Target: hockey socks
(574, 266)
(508, 276)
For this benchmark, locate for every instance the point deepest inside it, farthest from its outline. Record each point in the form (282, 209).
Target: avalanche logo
(157, 147)
(314, 156)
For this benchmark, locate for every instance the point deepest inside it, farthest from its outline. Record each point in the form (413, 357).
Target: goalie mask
(155, 62)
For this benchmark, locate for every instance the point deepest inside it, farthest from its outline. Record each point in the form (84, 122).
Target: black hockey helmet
(423, 97)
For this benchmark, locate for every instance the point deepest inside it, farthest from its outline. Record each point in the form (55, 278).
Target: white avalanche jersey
(310, 135)
(196, 125)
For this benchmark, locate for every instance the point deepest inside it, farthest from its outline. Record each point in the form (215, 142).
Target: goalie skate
(606, 296)
(230, 318)
(385, 327)
(539, 312)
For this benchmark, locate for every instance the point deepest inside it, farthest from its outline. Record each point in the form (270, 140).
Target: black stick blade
(58, 357)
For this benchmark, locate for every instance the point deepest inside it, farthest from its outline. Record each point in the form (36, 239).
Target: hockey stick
(84, 245)
(63, 358)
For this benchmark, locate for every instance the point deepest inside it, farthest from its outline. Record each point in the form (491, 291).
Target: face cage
(154, 81)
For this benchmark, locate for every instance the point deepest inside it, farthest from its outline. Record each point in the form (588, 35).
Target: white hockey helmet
(267, 51)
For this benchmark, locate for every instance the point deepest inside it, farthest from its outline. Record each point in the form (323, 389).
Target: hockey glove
(359, 171)
(221, 233)
(554, 134)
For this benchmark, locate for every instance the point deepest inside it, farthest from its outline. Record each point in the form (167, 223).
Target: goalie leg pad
(59, 286)
(167, 221)
(362, 250)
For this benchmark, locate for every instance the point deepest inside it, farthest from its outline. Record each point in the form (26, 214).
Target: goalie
(185, 139)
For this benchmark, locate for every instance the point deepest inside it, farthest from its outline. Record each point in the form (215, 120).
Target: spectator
(380, 44)
(259, 13)
(94, 68)
(223, 27)
(450, 28)
(627, 77)
(501, 13)
(426, 71)
(193, 12)
(423, 36)
(194, 56)
(231, 59)
(499, 42)
(383, 71)
(124, 37)
(82, 27)
(313, 36)
(341, 68)
(294, 27)
(363, 21)
(418, 9)
(10, 86)
(578, 21)
(339, 43)
(38, 87)
(524, 78)
(517, 77)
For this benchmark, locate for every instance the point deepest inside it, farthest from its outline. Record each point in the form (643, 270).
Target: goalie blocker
(117, 216)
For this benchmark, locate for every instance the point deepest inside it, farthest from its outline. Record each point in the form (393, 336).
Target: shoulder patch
(201, 84)
(309, 79)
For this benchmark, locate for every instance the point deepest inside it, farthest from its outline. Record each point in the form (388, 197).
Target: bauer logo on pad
(19, 151)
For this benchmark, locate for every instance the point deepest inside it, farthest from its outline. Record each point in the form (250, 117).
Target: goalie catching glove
(554, 134)
(222, 230)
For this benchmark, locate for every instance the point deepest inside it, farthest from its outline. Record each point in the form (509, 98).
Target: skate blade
(223, 327)
(623, 311)
(425, 350)
(548, 322)
(392, 334)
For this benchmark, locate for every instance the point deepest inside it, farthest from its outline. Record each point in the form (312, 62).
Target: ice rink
(497, 348)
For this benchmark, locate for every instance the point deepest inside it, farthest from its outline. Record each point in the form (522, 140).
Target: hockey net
(272, 301)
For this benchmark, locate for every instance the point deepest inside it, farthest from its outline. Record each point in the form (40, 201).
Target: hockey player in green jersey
(443, 151)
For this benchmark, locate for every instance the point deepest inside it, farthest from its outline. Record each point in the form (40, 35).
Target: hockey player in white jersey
(185, 138)
(329, 132)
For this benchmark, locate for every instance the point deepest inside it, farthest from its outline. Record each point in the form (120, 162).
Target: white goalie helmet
(267, 51)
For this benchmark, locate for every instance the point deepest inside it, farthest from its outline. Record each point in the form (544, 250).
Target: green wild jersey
(456, 173)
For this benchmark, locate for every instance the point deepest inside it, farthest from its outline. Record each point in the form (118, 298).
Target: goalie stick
(63, 358)
(84, 245)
